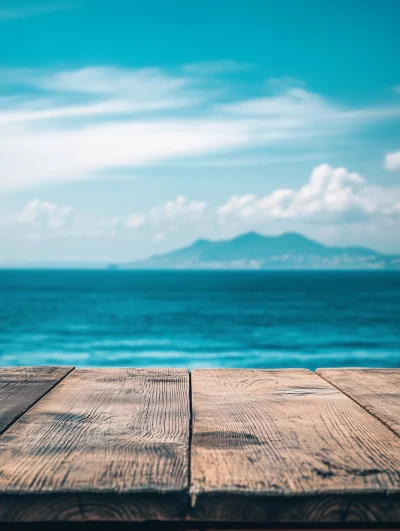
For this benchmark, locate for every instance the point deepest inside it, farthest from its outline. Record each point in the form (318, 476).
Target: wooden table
(209, 449)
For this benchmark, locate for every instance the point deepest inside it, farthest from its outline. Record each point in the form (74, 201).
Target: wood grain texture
(21, 387)
(376, 390)
(114, 432)
(286, 446)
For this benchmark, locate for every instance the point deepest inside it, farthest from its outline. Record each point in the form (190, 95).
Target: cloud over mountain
(331, 194)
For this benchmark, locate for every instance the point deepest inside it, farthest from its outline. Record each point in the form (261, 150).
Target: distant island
(256, 251)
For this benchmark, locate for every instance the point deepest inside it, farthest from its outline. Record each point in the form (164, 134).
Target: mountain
(255, 251)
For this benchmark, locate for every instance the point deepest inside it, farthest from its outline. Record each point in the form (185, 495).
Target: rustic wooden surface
(271, 447)
(21, 387)
(104, 444)
(286, 446)
(377, 390)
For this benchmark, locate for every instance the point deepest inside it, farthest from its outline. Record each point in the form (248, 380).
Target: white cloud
(292, 101)
(172, 212)
(76, 124)
(298, 108)
(392, 161)
(43, 215)
(331, 195)
(96, 91)
(31, 157)
(146, 89)
(46, 219)
(29, 114)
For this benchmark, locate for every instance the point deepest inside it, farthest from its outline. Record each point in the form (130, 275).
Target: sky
(131, 128)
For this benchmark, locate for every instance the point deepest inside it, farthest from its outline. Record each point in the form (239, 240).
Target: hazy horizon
(100, 264)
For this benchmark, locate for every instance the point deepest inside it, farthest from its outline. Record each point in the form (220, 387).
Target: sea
(269, 319)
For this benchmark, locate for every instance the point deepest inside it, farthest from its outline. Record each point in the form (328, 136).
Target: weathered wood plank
(21, 387)
(286, 446)
(104, 445)
(376, 390)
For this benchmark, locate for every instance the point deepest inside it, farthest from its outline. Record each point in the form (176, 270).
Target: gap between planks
(190, 501)
(352, 397)
(25, 408)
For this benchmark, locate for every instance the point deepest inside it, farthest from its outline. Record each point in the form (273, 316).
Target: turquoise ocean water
(200, 319)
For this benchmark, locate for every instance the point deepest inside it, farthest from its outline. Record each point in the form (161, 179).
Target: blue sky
(129, 128)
